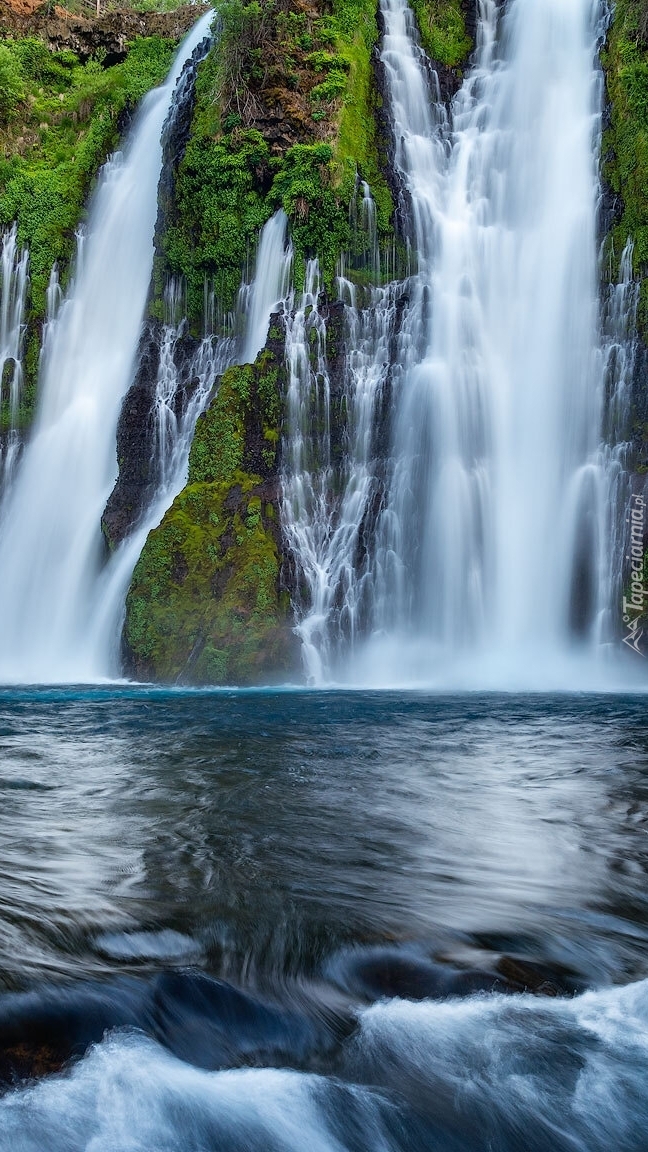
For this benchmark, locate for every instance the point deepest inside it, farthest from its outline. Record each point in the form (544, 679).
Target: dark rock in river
(387, 973)
(213, 1025)
(42, 1031)
(200, 1019)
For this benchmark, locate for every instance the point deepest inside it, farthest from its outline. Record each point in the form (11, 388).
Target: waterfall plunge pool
(271, 919)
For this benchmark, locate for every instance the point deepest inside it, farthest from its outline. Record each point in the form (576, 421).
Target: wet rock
(210, 1023)
(525, 976)
(200, 1019)
(42, 1031)
(386, 973)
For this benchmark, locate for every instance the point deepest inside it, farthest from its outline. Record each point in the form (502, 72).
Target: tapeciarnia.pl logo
(634, 606)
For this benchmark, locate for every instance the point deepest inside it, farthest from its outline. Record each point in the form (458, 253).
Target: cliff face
(625, 170)
(287, 113)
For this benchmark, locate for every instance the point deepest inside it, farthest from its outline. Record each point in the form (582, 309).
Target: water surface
(293, 843)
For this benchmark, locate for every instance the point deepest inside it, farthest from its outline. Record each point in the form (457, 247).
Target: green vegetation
(625, 143)
(205, 603)
(284, 116)
(443, 30)
(59, 129)
(59, 120)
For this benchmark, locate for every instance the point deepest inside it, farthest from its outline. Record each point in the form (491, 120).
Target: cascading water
(330, 485)
(175, 422)
(270, 284)
(494, 560)
(50, 546)
(14, 281)
(496, 537)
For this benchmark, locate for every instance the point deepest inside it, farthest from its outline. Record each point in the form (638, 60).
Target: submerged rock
(201, 1020)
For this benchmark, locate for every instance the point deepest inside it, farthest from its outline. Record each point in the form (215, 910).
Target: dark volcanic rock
(379, 973)
(213, 1025)
(136, 433)
(42, 1031)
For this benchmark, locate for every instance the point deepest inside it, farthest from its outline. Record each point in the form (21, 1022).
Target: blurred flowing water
(325, 852)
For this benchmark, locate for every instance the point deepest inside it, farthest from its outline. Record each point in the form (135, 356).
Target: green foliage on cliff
(443, 30)
(285, 115)
(58, 131)
(205, 604)
(12, 90)
(625, 143)
(218, 213)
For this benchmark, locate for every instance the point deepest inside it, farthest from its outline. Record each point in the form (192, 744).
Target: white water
(505, 1072)
(175, 429)
(496, 560)
(14, 282)
(50, 547)
(495, 545)
(327, 490)
(270, 284)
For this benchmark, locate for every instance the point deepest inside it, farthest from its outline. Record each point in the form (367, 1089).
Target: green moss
(443, 30)
(60, 133)
(12, 90)
(219, 444)
(358, 146)
(219, 210)
(625, 143)
(205, 604)
(231, 178)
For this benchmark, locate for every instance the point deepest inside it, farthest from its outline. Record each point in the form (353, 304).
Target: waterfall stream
(174, 430)
(495, 558)
(50, 546)
(14, 282)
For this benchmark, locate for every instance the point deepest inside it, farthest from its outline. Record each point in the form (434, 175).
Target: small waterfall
(180, 397)
(14, 282)
(330, 480)
(51, 547)
(175, 421)
(269, 286)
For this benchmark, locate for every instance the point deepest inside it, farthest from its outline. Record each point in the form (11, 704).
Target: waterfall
(181, 394)
(330, 479)
(269, 286)
(50, 547)
(14, 282)
(494, 560)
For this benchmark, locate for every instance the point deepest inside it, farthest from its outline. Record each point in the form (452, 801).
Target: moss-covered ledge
(625, 141)
(285, 116)
(205, 604)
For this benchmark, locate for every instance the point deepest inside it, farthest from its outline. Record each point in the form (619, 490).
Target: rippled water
(426, 902)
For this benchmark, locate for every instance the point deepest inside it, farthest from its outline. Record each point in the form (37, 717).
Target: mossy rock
(205, 604)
